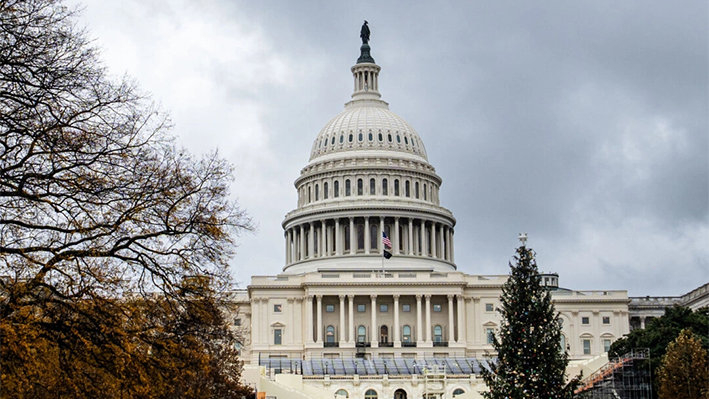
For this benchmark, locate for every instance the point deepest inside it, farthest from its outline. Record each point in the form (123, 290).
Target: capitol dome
(368, 192)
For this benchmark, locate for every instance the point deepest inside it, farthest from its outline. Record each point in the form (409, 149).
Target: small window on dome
(317, 192)
(320, 144)
(342, 138)
(406, 140)
(350, 138)
(416, 189)
(381, 137)
(396, 187)
(413, 142)
(370, 136)
(389, 137)
(372, 187)
(332, 142)
(385, 187)
(407, 189)
(336, 189)
(360, 187)
(360, 137)
(398, 139)
(325, 190)
(348, 188)
(424, 191)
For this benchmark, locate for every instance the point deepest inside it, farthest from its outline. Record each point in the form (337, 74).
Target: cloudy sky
(583, 124)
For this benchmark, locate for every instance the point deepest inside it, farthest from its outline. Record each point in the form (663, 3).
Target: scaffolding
(434, 381)
(627, 377)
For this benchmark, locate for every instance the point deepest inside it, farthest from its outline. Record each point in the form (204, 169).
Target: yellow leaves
(684, 373)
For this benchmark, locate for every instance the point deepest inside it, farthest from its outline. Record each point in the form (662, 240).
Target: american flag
(386, 241)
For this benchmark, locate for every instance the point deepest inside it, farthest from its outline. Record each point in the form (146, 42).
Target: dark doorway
(399, 394)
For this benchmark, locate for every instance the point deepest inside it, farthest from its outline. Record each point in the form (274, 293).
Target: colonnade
(366, 78)
(363, 235)
(422, 335)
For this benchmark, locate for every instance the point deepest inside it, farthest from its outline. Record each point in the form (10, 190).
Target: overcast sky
(583, 124)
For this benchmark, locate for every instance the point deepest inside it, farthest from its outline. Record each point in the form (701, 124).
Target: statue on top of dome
(364, 33)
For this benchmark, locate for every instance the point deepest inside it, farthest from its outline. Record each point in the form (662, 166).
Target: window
(384, 334)
(416, 189)
(360, 187)
(398, 139)
(385, 187)
(371, 393)
(350, 138)
(606, 320)
(237, 322)
(407, 189)
(348, 188)
(407, 334)
(606, 345)
(562, 343)
(336, 189)
(342, 392)
(458, 392)
(359, 137)
(309, 193)
(437, 334)
(370, 136)
(342, 138)
(406, 140)
(424, 192)
(361, 308)
(347, 237)
(278, 308)
(330, 308)
(396, 187)
(324, 190)
(372, 187)
(277, 336)
(560, 321)
(586, 346)
(383, 308)
(380, 137)
(330, 334)
(389, 137)
(437, 307)
(490, 333)
(317, 192)
(406, 307)
(361, 334)
(489, 307)
(584, 320)
(332, 142)
(373, 236)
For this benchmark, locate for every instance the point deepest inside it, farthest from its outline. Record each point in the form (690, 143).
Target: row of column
(367, 79)
(324, 238)
(351, 338)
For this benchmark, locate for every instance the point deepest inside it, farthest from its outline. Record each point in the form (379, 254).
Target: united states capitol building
(342, 321)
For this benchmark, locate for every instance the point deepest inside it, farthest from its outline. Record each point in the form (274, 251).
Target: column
(291, 312)
(309, 319)
(442, 252)
(323, 240)
(397, 339)
(255, 333)
(419, 323)
(351, 335)
(642, 322)
(342, 320)
(422, 233)
(264, 320)
(373, 330)
(451, 321)
(428, 318)
(411, 237)
(353, 236)
(367, 238)
(452, 249)
(381, 234)
(434, 244)
(461, 319)
(338, 238)
(302, 242)
(311, 240)
(476, 319)
(397, 238)
(285, 234)
(319, 323)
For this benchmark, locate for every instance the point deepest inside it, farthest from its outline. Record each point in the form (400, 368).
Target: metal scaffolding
(627, 377)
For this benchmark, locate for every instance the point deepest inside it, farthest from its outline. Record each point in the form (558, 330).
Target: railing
(386, 344)
(408, 344)
(331, 344)
(440, 343)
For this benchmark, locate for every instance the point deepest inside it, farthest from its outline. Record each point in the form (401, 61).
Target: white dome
(368, 125)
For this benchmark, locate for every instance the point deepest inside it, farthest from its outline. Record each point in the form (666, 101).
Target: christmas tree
(530, 360)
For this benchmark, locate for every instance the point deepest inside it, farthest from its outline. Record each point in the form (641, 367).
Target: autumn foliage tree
(684, 373)
(104, 224)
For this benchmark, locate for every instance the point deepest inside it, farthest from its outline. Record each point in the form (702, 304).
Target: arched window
(360, 187)
(350, 138)
(359, 137)
(407, 334)
(348, 188)
(389, 137)
(336, 189)
(347, 237)
(396, 187)
(424, 192)
(416, 189)
(384, 334)
(380, 138)
(315, 241)
(371, 394)
(373, 236)
(330, 334)
(385, 187)
(332, 142)
(342, 138)
(310, 189)
(372, 187)
(361, 334)
(370, 136)
(437, 334)
(406, 140)
(325, 190)
(458, 392)
(360, 236)
(342, 392)
(407, 189)
(398, 139)
(317, 192)
(562, 342)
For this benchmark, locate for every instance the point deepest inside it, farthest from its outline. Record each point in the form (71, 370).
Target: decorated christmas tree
(530, 361)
